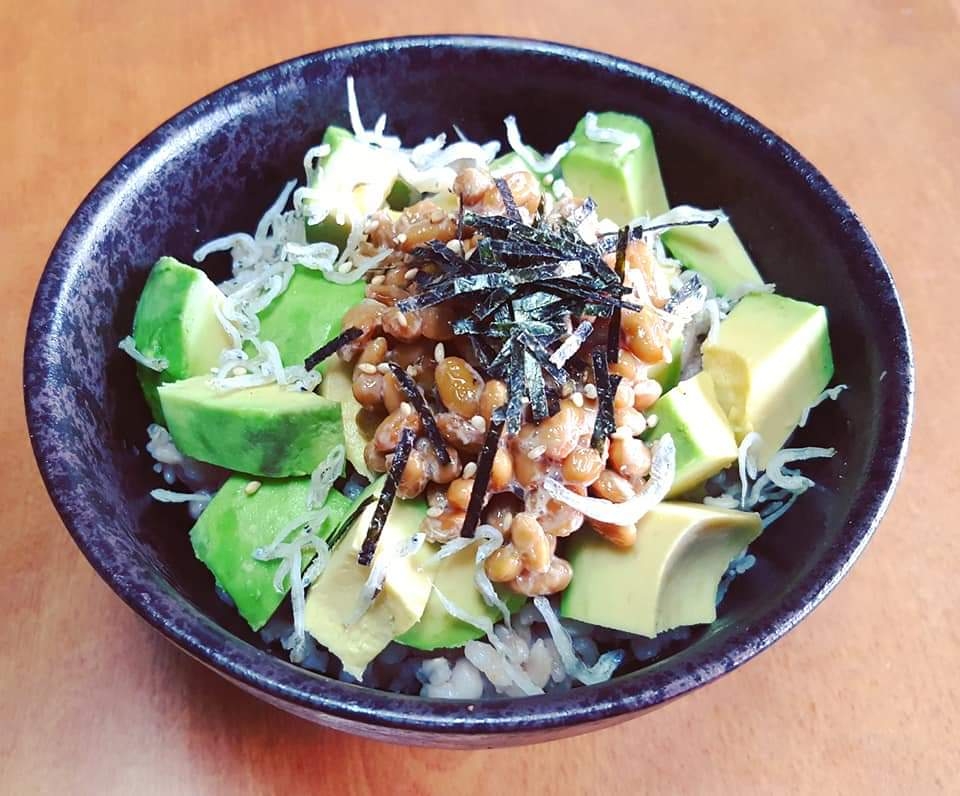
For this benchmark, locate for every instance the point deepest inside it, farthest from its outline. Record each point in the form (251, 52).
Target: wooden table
(863, 696)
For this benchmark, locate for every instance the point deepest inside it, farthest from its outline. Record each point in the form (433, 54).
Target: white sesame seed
(478, 423)
(439, 352)
(536, 453)
(239, 370)
(455, 246)
(411, 273)
(401, 238)
(367, 367)
(406, 409)
(344, 268)
(379, 279)
(566, 390)
(437, 216)
(252, 487)
(412, 370)
(577, 399)
(652, 420)
(469, 470)
(548, 180)
(434, 511)
(383, 368)
(402, 320)
(590, 391)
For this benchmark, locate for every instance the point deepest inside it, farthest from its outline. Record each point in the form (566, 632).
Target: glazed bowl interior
(214, 168)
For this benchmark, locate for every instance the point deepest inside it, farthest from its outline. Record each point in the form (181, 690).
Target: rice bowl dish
(455, 409)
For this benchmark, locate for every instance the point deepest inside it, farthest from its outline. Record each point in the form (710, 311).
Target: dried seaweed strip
(536, 389)
(540, 354)
(606, 385)
(506, 195)
(481, 478)
(515, 390)
(582, 213)
(438, 252)
(345, 337)
(400, 455)
(341, 530)
(429, 422)
(619, 267)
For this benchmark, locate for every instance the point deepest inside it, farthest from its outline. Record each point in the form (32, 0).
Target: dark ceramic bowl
(216, 166)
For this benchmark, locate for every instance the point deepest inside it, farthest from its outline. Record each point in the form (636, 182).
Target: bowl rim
(303, 692)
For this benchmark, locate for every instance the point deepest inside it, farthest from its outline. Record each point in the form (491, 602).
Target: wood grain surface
(862, 697)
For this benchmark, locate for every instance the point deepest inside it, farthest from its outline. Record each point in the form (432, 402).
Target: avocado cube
(668, 579)
(715, 253)
(356, 179)
(337, 385)
(266, 431)
(307, 314)
(235, 523)
(667, 374)
(770, 360)
(624, 186)
(703, 438)
(333, 599)
(455, 580)
(176, 320)
(508, 163)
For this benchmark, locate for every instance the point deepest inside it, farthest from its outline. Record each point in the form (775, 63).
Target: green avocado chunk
(176, 320)
(715, 253)
(454, 580)
(307, 314)
(337, 385)
(624, 186)
(667, 374)
(332, 601)
(266, 431)
(668, 579)
(703, 439)
(770, 360)
(236, 523)
(508, 164)
(355, 179)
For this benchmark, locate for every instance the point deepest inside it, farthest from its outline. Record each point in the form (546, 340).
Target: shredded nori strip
(572, 344)
(400, 455)
(606, 243)
(345, 337)
(604, 424)
(438, 252)
(688, 290)
(437, 293)
(536, 389)
(582, 213)
(542, 356)
(412, 391)
(515, 388)
(341, 530)
(481, 479)
(710, 224)
(507, 196)
(613, 332)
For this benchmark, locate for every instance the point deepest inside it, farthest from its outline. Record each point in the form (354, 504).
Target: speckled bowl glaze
(216, 166)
